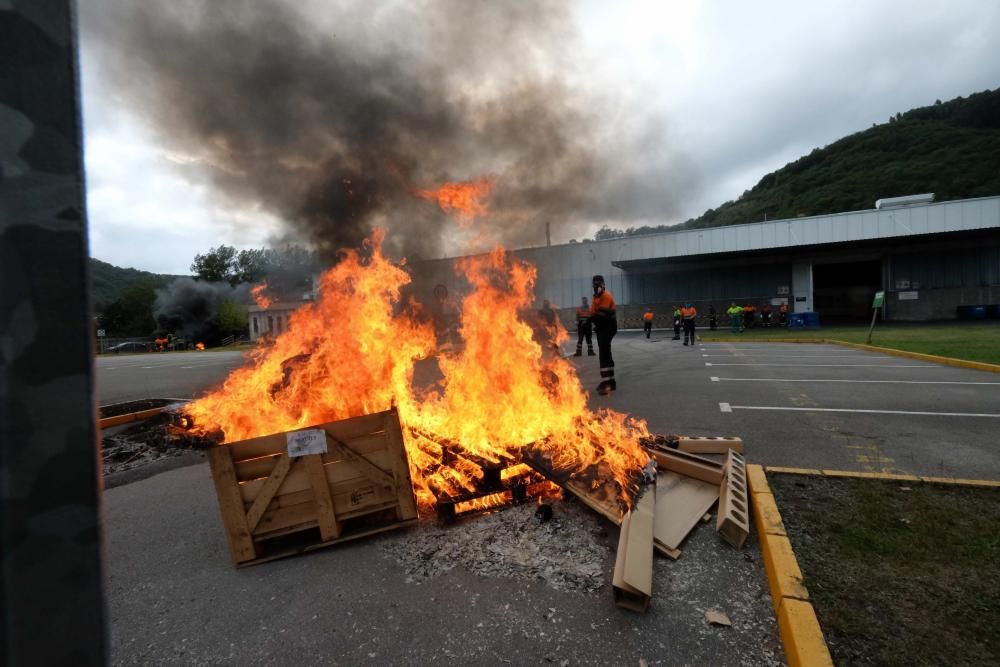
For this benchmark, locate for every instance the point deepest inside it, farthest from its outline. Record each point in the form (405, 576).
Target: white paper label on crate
(303, 443)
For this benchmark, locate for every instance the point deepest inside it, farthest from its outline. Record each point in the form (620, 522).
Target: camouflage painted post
(51, 605)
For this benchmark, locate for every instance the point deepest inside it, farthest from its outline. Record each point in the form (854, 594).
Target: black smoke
(191, 309)
(325, 113)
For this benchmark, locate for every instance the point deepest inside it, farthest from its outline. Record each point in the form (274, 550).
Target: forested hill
(951, 149)
(110, 281)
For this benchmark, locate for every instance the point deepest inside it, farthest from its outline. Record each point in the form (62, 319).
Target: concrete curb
(798, 626)
(948, 361)
(956, 481)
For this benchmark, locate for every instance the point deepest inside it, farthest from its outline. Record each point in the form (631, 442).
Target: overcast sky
(734, 90)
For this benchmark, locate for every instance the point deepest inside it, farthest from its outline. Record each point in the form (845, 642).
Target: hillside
(951, 149)
(109, 281)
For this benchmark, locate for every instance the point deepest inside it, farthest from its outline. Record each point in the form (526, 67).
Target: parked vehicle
(130, 346)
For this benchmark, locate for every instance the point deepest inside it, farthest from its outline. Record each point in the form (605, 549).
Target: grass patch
(897, 576)
(973, 341)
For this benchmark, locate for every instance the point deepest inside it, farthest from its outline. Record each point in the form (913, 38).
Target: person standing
(647, 322)
(783, 314)
(677, 323)
(747, 316)
(688, 313)
(765, 315)
(713, 321)
(584, 329)
(735, 313)
(602, 314)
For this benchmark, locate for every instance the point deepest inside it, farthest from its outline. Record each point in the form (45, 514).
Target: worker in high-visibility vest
(688, 313)
(602, 314)
(735, 313)
(647, 322)
(677, 323)
(783, 314)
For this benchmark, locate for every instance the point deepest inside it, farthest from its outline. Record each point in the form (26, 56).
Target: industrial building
(929, 258)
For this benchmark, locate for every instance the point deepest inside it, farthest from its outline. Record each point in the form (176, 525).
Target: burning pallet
(291, 492)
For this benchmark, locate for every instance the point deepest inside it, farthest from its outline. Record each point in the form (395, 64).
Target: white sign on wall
(908, 296)
(902, 284)
(303, 443)
(783, 289)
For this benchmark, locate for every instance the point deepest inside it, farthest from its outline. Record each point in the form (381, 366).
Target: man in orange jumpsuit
(647, 322)
(688, 313)
(602, 314)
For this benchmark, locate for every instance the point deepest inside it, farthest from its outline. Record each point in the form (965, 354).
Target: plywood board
(632, 582)
(681, 502)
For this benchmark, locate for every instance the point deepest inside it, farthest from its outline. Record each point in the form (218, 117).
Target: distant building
(933, 260)
(272, 320)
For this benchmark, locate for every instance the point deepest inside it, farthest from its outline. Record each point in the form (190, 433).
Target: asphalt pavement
(812, 405)
(127, 377)
(174, 597)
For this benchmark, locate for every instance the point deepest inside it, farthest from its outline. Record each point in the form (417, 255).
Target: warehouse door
(844, 291)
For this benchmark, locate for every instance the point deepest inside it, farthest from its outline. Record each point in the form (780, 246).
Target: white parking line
(720, 379)
(709, 363)
(730, 408)
(793, 356)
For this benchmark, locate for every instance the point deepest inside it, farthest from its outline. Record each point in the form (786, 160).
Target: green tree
(216, 265)
(132, 313)
(250, 266)
(231, 318)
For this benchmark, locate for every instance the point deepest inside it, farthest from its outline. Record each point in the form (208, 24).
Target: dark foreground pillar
(51, 605)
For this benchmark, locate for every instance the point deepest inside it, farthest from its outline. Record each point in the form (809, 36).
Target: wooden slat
(322, 545)
(336, 472)
(365, 464)
(283, 517)
(374, 448)
(275, 443)
(709, 444)
(688, 464)
(329, 527)
(407, 501)
(234, 518)
(267, 491)
(681, 502)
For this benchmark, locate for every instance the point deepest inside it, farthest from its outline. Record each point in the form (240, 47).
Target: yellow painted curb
(850, 474)
(801, 635)
(756, 479)
(871, 475)
(948, 361)
(794, 471)
(984, 483)
(108, 422)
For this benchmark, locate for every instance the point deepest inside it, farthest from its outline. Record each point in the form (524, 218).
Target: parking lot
(813, 405)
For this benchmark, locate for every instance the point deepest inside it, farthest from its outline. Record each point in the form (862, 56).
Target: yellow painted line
(948, 361)
(798, 626)
(801, 635)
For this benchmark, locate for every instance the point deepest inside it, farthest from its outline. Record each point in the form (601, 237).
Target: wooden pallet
(276, 505)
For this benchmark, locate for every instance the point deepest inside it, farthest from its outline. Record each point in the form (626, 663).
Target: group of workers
(599, 318)
(745, 317)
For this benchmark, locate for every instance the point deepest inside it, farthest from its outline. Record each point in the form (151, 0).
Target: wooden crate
(275, 505)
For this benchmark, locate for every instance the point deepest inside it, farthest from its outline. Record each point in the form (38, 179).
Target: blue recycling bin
(811, 319)
(972, 312)
(796, 321)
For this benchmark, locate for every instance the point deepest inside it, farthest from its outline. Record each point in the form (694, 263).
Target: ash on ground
(141, 443)
(569, 551)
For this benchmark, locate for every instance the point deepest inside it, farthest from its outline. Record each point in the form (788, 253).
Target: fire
(463, 198)
(354, 350)
(261, 299)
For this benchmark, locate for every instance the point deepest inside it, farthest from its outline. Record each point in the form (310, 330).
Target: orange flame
(353, 352)
(261, 299)
(464, 198)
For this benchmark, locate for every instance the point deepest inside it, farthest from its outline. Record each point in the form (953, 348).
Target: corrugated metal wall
(974, 267)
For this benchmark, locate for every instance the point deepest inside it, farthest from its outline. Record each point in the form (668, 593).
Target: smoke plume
(191, 308)
(329, 114)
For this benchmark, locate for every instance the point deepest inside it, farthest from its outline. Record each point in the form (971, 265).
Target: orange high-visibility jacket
(605, 302)
(689, 313)
(648, 317)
